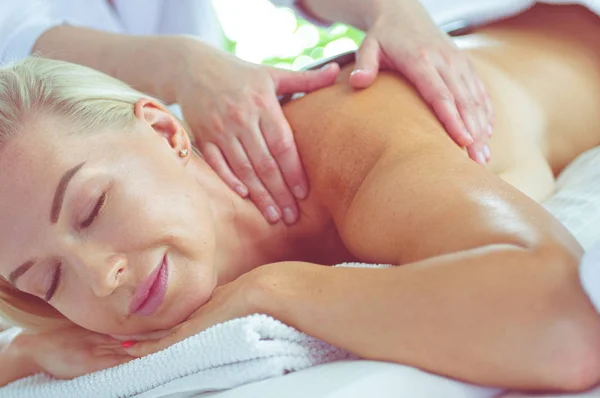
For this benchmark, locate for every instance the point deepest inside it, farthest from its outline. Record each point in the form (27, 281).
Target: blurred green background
(259, 32)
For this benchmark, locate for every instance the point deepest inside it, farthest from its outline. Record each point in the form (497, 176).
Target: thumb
(366, 67)
(288, 82)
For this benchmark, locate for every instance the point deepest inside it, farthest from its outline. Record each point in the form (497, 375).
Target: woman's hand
(404, 38)
(232, 109)
(249, 294)
(69, 353)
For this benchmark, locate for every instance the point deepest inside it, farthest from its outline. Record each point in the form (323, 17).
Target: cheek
(76, 301)
(199, 283)
(193, 232)
(88, 312)
(191, 284)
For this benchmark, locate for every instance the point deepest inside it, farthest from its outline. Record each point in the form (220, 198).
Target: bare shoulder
(396, 185)
(341, 133)
(434, 202)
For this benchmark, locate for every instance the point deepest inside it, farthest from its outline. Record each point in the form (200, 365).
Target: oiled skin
(397, 190)
(540, 69)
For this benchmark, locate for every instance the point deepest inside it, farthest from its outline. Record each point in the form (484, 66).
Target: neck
(245, 240)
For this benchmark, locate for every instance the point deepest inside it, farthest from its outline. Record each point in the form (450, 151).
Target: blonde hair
(85, 97)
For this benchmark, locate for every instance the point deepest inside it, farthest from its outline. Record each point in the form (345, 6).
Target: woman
(230, 105)
(109, 217)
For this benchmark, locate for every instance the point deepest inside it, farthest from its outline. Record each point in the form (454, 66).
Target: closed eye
(54, 284)
(58, 270)
(94, 212)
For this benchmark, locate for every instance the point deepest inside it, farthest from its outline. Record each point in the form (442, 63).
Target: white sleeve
(296, 5)
(21, 23)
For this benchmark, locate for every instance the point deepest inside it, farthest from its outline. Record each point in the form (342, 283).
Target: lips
(151, 293)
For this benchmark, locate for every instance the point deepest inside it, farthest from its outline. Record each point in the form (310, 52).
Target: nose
(106, 276)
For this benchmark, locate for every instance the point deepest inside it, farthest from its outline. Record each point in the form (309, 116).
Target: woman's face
(86, 220)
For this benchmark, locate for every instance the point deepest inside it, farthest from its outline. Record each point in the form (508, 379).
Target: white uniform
(23, 21)
(475, 12)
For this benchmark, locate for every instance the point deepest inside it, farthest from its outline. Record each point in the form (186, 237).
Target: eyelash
(55, 282)
(95, 212)
(84, 224)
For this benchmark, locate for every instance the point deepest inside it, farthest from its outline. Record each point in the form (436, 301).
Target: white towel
(224, 356)
(576, 204)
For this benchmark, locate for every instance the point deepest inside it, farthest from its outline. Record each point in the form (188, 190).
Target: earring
(183, 152)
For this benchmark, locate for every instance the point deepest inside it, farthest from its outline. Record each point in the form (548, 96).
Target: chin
(180, 302)
(180, 307)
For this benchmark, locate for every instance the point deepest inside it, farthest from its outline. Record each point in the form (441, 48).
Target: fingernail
(355, 71)
(241, 190)
(271, 214)
(127, 344)
(289, 217)
(490, 130)
(325, 67)
(486, 152)
(480, 158)
(469, 137)
(299, 192)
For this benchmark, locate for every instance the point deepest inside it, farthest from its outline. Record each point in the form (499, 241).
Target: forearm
(148, 63)
(498, 316)
(13, 361)
(363, 14)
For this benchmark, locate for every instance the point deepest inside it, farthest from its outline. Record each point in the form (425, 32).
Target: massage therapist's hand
(403, 37)
(232, 109)
(70, 353)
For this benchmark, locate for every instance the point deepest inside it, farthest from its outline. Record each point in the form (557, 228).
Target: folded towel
(224, 356)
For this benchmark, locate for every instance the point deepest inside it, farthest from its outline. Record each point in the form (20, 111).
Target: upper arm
(431, 200)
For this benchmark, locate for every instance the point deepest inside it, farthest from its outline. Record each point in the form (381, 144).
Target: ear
(164, 124)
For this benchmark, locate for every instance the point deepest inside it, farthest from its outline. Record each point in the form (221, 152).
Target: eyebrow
(21, 269)
(59, 195)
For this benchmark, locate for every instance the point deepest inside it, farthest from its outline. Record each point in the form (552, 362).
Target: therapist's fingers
(460, 89)
(290, 82)
(282, 145)
(475, 101)
(434, 90)
(469, 100)
(215, 159)
(267, 166)
(366, 67)
(479, 153)
(487, 101)
(242, 166)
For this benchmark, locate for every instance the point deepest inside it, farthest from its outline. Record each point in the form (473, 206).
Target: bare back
(400, 190)
(542, 69)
